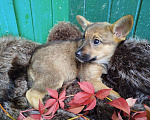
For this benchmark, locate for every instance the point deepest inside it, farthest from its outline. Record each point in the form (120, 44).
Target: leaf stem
(69, 96)
(7, 113)
(73, 118)
(109, 99)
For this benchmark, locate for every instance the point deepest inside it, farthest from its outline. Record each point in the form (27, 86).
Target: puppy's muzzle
(82, 57)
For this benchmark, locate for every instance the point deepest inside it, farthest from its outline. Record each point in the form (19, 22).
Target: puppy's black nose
(78, 53)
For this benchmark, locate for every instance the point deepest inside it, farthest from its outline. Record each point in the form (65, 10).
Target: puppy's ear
(82, 21)
(122, 27)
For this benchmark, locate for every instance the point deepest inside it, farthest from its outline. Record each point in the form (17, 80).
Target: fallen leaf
(53, 93)
(91, 105)
(87, 87)
(115, 117)
(75, 109)
(131, 102)
(121, 104)
(52, 109)
(49, 103)
(103, 93)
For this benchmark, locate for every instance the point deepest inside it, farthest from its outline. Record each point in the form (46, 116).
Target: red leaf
(52, 109)
(140, 115)
(49, 103)
(103, 93)
(36, 116)
(121, 104)
(115, 117)
(62, 95)
(61, 104)
(53, 93)
(75, 109)
(87, 87)
(88, 101)
(131, 102)
(148, 111)
(41, 106)
(80, 97)
(48, 117)
(21, 116)
(91, 105)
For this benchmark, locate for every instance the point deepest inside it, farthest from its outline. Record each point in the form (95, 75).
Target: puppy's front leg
(33, 96)
(92, 72)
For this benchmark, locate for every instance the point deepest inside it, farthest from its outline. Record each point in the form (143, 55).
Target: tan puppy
(56, 62)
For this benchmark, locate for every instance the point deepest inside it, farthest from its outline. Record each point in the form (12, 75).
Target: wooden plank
(121, 8)
(42, 19)
(7, 18)
(143, 24)
(76, 7)
(24, 18)
(60, 10)
(97, 10)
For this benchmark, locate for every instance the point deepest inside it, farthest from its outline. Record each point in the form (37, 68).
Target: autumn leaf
(81, 97)
(54, 103)
(121, 104)
(52, 109)
(91, 105)
(49, 103)
(115, 117)
(53, 93)
(103, 93)
(140, 115)
(75, 109)
(131, 102)
(148, 111)
(41, 111)
(87, 87)
(88, 96)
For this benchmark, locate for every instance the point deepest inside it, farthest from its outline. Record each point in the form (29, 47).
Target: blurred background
(33, 19)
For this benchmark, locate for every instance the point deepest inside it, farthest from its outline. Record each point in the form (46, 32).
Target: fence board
(7, 18)
(97, 10)
(42, 18)
(24, 18)
(60, 10)
(143, 24)
(121, 8)
(76, 7)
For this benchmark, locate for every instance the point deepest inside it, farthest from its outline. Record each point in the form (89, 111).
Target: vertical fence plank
(24, 18)
(7, 18)
(97, 10)
(60, 10)
(76, 7)
(143, 24)
(121, 8)
(42, 19)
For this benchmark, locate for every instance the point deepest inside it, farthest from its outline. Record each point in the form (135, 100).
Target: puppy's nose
(78, 53)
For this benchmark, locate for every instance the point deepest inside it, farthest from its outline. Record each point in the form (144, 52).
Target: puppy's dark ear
(122, 27)
(82, 21)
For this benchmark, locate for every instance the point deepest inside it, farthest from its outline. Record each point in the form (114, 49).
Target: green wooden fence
(32, 19)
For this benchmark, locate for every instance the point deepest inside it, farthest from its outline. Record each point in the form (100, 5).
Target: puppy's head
(101, 39)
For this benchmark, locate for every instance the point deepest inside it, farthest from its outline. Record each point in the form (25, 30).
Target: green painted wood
(121, 8)
(24, 18)
(76, 7)
(8, 23)
(97, 10)
(42, 19)
(60, 10)
(143, 24)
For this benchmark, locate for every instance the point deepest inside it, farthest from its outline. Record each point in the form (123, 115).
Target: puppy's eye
(96, 42)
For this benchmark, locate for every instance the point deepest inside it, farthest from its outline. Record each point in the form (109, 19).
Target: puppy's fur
(55, 62)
